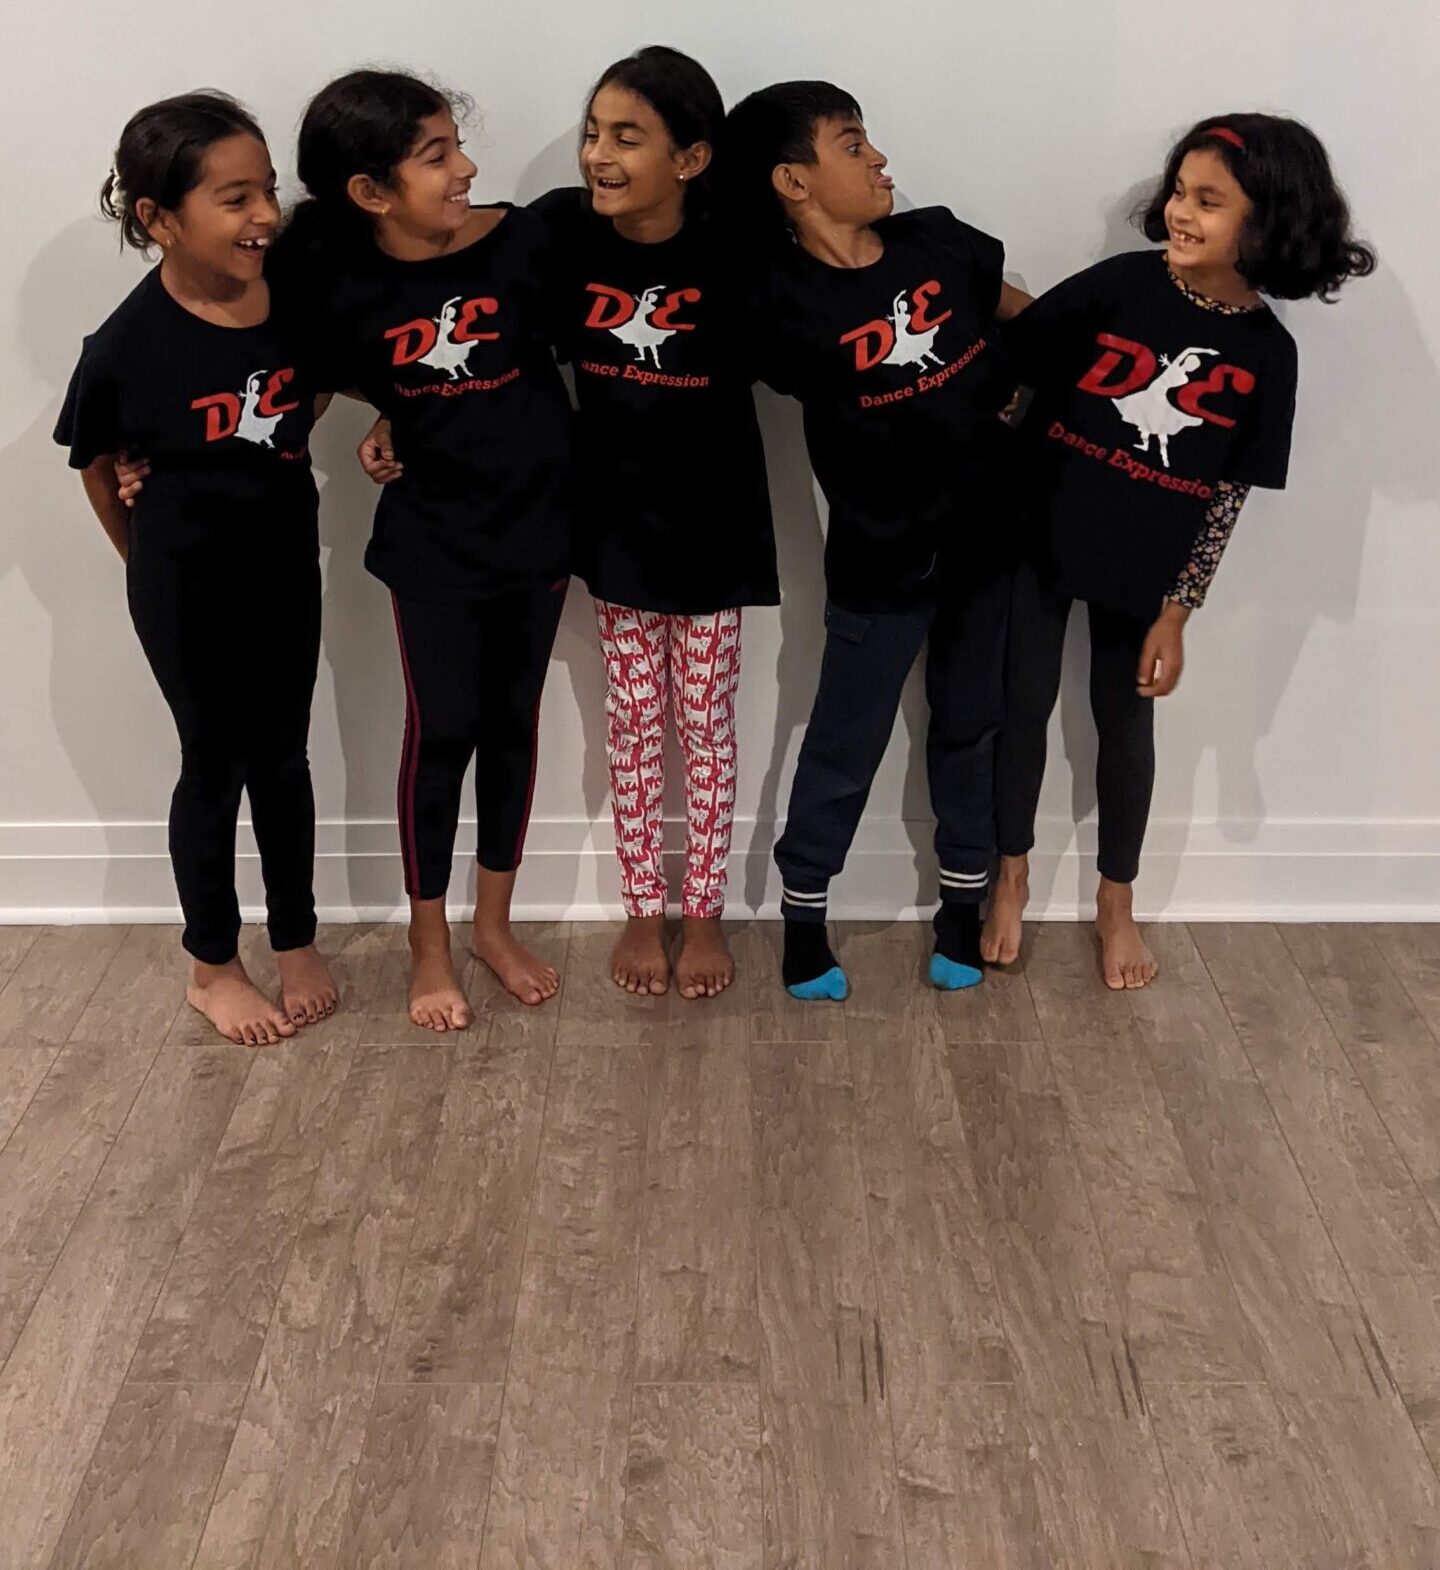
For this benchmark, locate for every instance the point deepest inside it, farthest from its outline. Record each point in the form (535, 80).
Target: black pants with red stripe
(473, 677)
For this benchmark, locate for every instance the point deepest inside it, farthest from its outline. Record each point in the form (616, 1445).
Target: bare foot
(1005, 918)
(639, 962)
(522, 974)
(705, 966)
(235, 1006)
(1125, 960)
(436, 1001)
(307, 992)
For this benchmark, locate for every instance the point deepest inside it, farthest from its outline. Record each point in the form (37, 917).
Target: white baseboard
(1298, 870)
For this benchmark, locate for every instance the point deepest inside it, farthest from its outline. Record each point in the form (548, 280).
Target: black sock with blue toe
(957, 960)
(807, 953)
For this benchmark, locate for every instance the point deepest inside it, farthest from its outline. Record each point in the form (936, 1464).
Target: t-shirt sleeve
(1261, 456)
(769, 353)
(557, 216)
(300, 302)
(984, 254)
(89, 423)
(1043, 338)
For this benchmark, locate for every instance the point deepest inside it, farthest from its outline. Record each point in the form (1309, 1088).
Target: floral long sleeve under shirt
(1197, 574)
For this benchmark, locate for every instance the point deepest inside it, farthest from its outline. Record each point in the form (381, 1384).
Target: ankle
(204, 975)
(1114, 899)
(807, 952)
(1014, 873)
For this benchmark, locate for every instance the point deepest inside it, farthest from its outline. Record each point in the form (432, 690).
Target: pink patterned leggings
(650, 656)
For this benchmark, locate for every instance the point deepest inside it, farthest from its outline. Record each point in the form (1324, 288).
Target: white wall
(1298, 764)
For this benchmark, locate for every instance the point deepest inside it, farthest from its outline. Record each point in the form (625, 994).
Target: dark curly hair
(773, 126)
(364, 122)
(162, 155)
(681, 91)
(1297, 241)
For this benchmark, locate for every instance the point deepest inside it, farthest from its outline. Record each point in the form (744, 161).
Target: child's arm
(103, 494)
(1012, 302)
(376, 453)
(1162, 656)
(1220, 519)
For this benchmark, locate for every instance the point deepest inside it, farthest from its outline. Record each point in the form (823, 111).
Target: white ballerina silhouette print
(254, 426)
(1150, 410)
(639, 332)
(448, 355)
(910, 348)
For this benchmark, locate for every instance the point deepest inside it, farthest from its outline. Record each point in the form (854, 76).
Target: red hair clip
(1226, 134)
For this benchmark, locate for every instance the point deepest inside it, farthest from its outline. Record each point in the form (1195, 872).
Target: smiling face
(428, 192)
(846, 183)
(628, 157)
(1205, 215)
(225, 222)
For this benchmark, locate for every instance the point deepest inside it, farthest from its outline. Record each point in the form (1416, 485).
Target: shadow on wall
(1383, 448)
(73, 282)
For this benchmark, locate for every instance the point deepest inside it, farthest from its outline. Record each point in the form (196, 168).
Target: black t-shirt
(455, 351)
(223, 414)
(1143, 402)
(901, 378)
(671, 467)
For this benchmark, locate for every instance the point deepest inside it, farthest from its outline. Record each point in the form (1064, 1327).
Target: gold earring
(385, 210)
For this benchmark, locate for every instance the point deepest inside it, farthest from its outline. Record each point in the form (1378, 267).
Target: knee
(212, 767)
(284, 768)
(634, 714)
(1120, 712)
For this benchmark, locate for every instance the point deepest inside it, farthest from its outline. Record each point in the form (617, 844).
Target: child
(434, 310)
(883, 327)
(1165, 389)
(200, 372)
(676, 533)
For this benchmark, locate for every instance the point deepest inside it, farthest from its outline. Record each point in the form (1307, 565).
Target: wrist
(1174, 611)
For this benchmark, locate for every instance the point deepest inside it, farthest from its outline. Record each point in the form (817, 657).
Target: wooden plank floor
(1039, 1276)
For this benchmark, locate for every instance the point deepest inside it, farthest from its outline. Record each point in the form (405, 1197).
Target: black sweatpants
(862, 672)
(232, 633)
(1124, 723)
(473, 677)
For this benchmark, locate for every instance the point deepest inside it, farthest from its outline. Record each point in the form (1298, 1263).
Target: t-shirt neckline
(504, 208)
(202, 321)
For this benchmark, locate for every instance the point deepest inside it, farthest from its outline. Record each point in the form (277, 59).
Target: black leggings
(473, 677)
(234, 641)
(1124, 722)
